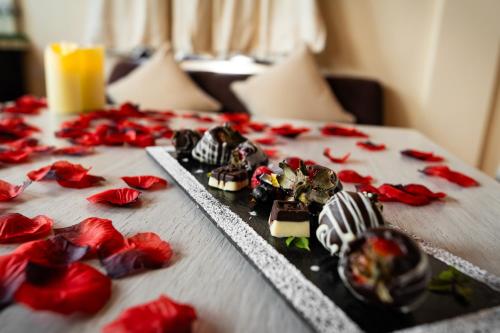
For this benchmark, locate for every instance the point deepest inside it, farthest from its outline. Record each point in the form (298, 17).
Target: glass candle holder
(74, 78)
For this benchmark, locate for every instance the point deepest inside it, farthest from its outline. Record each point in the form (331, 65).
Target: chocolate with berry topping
(386, 267)
(249, 155)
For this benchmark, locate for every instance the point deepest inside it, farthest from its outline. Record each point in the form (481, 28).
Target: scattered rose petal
(145, 182)
(256, 127)
(422, 155)
(267, 141)
(141, 252)
(17, 228)
(369, 189)
(95, 232)
(254, 182)
(14, 156)
(418, 189)
(271, 153)
(451, 175)
(117, 197)
(9, 191)
(74, 150)
(86, 182)
(66, 290)
(331, 129)
(161, 315)
(235, 118)
(368, 145)
(393, 193)
(53, 251)
(351, 176)
(328, 154)
(201, 130)
(293, 162)
(289, 131)
(410, 194)
(26, 104)
(12, 267)
(12, 129)
(60, 170)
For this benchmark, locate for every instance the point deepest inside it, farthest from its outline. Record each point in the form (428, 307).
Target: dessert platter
(329, 252)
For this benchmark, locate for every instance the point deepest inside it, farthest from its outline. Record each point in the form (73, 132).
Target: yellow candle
(74, 78)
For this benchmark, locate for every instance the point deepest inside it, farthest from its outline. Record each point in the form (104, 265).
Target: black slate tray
(369, 318)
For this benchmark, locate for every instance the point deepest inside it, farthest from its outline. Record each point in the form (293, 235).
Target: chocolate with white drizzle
(345, 216)
(216, 145)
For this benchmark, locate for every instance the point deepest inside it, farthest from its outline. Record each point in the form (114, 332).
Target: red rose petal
(451, 175)
(289, 131)
(161, 315)
(368, 145)
(256, 127)
(12, 275)
(17, 228)
(235, 118)
(65, 170)
(201, 130)
(95, 232)
(86, 182)
(39, 174)
(54, 251)
(422, 190)
(331, 129)
(271, 153)
(12, 129)
(145, 182)
(9, 191)
(75, 288)
(14, 156)
(368, 189)
(74, 150)
(393, 193)
(422, 155)
(254, 182)
(141, 252)
(351, 176)
(334, 159)
(267, 141)
(117, 197)
(60, 170)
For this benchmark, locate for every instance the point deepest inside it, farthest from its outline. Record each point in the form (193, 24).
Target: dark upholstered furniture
(362, 97)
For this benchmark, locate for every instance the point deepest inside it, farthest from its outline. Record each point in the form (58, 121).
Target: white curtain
(263, 28)
(266, 29)
(124, 24)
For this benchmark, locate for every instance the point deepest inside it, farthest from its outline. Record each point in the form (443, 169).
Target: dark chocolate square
(293, 211)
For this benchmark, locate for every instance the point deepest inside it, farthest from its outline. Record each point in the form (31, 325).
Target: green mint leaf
(302, 243)
(289, 241)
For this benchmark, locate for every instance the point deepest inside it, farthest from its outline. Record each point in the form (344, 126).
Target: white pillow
(293, 88)
(160, 83)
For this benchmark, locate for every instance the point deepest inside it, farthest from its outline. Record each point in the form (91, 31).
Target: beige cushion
(293, 88)
(160, 83)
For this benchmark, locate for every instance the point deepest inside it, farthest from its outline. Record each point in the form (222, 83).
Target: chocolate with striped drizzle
(346, 216)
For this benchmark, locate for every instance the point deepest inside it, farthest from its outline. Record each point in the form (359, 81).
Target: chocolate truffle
(184, 141)
(248, 155)
(345, 216)
(386, 267)
(289, 218)
(228, 178)
(216, 145)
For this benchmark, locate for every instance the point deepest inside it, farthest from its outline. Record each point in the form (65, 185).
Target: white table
(228, 293)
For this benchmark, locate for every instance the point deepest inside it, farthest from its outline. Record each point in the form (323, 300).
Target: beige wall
(491, 154)
(437, 59)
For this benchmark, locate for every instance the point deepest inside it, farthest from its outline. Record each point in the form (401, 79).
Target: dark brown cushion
(362, 97)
